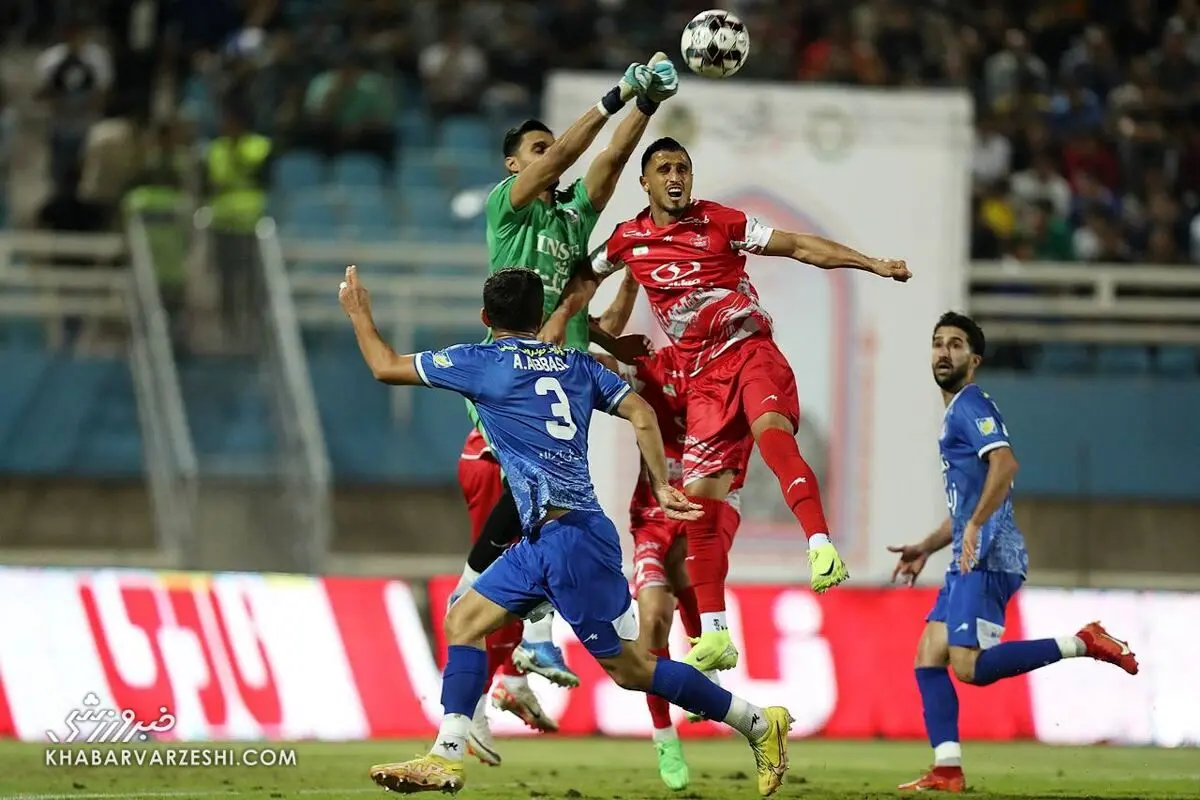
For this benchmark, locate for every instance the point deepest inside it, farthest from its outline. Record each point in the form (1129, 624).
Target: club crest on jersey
(699, 241)
(442, 359)
(986, 425)
(668, 390)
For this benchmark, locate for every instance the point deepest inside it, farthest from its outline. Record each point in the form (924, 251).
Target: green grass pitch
(615, 769)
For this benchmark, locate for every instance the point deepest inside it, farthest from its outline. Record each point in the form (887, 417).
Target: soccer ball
(715, 44)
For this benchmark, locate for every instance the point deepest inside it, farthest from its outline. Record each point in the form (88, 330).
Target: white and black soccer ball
(715, 44)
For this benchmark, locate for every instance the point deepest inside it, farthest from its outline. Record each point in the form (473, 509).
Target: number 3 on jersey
(562, 426)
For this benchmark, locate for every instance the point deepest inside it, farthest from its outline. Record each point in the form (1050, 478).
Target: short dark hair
(513, 137)
(513, 299)
(975, 338)
(664, 145)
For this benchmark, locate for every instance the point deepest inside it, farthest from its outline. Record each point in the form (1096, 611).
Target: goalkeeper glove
(633, 83)
(664, 84)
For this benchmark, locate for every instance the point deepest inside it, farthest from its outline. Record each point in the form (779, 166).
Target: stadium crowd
(1088, 113)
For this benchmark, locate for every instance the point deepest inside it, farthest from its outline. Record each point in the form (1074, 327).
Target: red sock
(799, 483)
(500, 646)
(689, 612)
(660, 709)
(708, 557)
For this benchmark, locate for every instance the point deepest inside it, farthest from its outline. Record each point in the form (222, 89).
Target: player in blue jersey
(988, 563)
(536, 401)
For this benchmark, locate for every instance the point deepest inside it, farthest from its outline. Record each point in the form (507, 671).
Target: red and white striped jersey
(694, 273)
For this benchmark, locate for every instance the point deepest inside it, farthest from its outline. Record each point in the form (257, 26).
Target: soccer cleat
(479, 740)
(712, 651)
(827, 567)
(770, 751)
(671, 767)
(938, 779)
(524, 703)
(1102, 646)
(715, 677)
(545, 659)
(428, 773)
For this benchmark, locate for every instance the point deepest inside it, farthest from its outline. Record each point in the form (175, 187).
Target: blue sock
(1015, 658)
(685, 686)
(940, 704)
(463, 679)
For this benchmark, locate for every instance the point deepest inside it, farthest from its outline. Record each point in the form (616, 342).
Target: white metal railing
(43, 276)
(171, 456)
(306, 459)
(1100, 303)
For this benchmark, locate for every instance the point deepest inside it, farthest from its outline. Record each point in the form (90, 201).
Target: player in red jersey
(480, 481)
(659, 544)
(690, 255)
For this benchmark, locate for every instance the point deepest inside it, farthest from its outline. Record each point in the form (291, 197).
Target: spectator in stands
(350, 109)
(1013, 70)
(1042, 182)
(993, 152)
(519, 66)
(75, 76)
(1046, 231)
(110, 157)
(453, 74)
(237, 172)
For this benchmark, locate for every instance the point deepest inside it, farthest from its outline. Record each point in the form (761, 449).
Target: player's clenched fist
(665, 80)
(676, 505)
(894, 268)
(351, 294)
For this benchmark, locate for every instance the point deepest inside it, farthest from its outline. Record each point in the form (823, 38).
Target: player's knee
(772, 420)
(632, 670)
(462, 626)
(962, 662)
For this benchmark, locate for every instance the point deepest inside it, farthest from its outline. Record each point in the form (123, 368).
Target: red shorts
(654, 534)
(479, 478)
(747, 381)
(652, 538)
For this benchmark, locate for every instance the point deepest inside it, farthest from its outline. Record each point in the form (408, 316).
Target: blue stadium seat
(356, 169)
(428, 214)
(414, 128)
(1060, 357)
(1178, 361)
(466, 134)
(298, 170)
(416, 172)
(370, 213)
(1121, 359)
(312, 214)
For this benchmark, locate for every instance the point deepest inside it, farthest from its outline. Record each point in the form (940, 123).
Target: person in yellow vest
(237, 172)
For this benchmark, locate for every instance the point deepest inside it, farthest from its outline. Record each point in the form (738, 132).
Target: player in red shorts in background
(690, 256)
(481, 483)
(660, 579)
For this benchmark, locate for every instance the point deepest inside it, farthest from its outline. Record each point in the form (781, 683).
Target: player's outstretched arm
(606, 330)
(602, 175)
(649, 439)
(828, 254)
(575, 140)
(616, 316)
(385, 364)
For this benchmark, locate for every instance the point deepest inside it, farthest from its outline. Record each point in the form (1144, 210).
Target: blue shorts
(574, 563)
(972, 606)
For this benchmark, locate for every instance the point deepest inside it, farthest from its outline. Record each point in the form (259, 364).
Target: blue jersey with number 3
(971, 428)
(535, 401)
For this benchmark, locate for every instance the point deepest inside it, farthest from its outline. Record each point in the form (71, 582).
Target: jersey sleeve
(502, 218)
(747, 234)
(586, 214)
(608, 387)
(608, 257)
(460, 369)
(980, 423)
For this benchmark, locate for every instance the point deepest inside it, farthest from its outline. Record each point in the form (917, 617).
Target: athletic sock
(660, 709)
(708, 558)
(1015, 658)
(462, 686)
(689, 614)
(939, 702)
(796, 478)
(685, 686)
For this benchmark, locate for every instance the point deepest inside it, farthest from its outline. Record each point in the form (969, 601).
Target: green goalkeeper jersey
(549, 238)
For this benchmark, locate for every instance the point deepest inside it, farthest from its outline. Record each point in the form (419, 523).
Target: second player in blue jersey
(988, 564)
(535, 400)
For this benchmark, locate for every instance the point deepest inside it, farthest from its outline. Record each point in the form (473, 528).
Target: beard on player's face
(950, 376)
